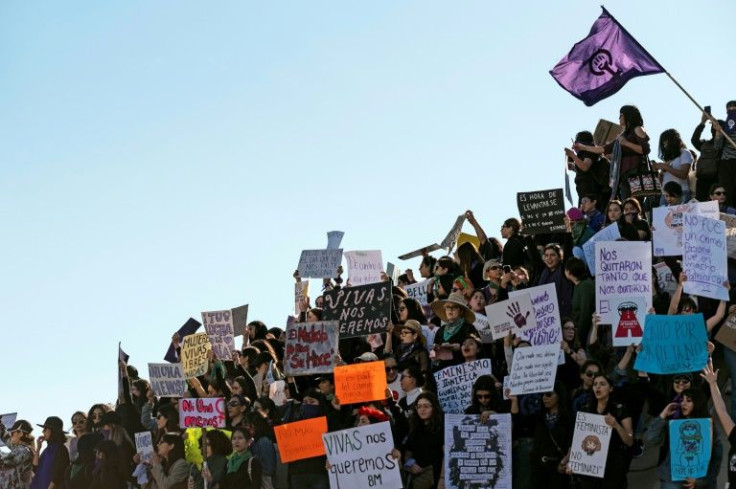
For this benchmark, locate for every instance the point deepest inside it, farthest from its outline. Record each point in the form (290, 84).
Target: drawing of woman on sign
(691, 441)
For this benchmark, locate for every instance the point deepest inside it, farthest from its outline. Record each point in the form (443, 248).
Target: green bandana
(452, 328)
(236, 460)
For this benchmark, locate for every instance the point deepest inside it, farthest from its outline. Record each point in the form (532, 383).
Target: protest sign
(667, 225)
(418, 291)
(666, 281)
(122, 357)
(468, 238)
(334, 238)
(589, 448)
(219, 327)
(190, 327)
(534, 369)
(483, 327)
(515, 314)
(455, 384)
(542, 211)
(420, 252)
(704, 258)
(730, 221)
(167, 379)
(623, 288)
(144, 446)
(202, 412)
(451, 237)
(609, 233)
(690, 447)
(277, 392)
(311, 348)
(7, 420)
(194, 350)
(727, 333)
(360, 457)
(477, 454)
(360, 310)
(364, 267)
(319, 263)
(240, 320)
(673, 344)
(393, 272)
(301, 439)
(360, 382)
(546, 328)
(301, 292)
(605, 132)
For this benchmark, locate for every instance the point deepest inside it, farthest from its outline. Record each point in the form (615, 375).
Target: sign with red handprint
(515, 315)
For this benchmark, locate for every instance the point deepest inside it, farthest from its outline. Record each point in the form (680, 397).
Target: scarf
(577, 231)
(451, 329)
(236, 460)
(42, 479)
(615, 169)
(406, 350)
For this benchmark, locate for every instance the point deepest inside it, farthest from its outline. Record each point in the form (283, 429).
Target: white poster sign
(704, 259)
(609, 233)
(667, 225)
(364, 267)
(534, 369)
(590, 442)
(515, 314)
(547, 327)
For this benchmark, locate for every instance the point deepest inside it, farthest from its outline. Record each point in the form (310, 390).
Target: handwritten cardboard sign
(590, 442)
(301, 292)
(605, 132)
(361, 311)
(7, 420)
(542, 211)
(483, 327)
(364, 267)
(202, 412)
(546, 328)
(455, 384)
(727, 333)
(515, 314)
(144, 446)
(667, 225)
(453, 234)
(219, 327)
(534, 369)
(360, 457)
(608, 233)
(623, 288)
(301, 439)
(704, 258)
(477, 454)
(360, 382)
(194, 350)
(673, 344)
(311, 348)
(167, 379)
(690, 447)
(240, 320)
(319, 263)
(666, 280)
(418, 291)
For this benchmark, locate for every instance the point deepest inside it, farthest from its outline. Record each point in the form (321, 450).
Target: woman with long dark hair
(552, 439)
(169, 469)
(591, 177)
(262, 447)
(423, 452)
(412, 344)
(629, 149)
(485, 398)
(79, 428)
(243, 469)
(471, 264)
(108, 474)
(677, 161)
(216, 447)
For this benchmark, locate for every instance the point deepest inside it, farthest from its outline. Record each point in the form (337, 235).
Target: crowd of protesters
(97, 450)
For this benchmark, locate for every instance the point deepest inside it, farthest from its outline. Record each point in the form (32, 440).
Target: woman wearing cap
(412, 346)
(17, 466)
(53, 461)
(457, 325)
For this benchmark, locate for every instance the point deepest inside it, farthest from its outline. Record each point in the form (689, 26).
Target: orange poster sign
(361, 382)
(301, 439)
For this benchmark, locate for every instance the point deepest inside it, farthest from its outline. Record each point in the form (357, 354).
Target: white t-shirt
(684, 159)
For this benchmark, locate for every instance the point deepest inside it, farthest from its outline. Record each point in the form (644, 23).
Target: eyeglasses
(591, 373)
(452, 308)
(406, 332)
(494, 267)
(78, 420)
(719, 192)
(391, 369)
(680, 381)
(483, 396)
(233, 404)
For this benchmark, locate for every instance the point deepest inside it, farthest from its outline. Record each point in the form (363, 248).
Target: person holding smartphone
(727, 161)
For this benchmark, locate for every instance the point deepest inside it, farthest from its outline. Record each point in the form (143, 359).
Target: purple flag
(602, 63)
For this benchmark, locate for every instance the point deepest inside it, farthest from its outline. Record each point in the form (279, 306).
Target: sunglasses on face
(79, 420)
(719, 192)
(233, 404)
(680, 381)
(591, 373)
(391, 369)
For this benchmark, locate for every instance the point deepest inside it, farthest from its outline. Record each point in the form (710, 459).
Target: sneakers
(637, 449)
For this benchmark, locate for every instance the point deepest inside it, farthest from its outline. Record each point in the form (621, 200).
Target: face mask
(311, 411)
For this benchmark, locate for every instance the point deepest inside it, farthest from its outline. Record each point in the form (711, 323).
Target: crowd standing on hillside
(97, 449)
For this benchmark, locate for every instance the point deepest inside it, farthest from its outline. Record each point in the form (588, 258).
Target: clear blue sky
(163, 158)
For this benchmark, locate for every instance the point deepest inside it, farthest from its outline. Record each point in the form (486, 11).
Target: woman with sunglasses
(237, 407)
(693, 404)
(553, 431)
(485, 398)
(79, 428)
(169, 468)
(581, 396)
(94, 417)
(412, 346)
(16, 467)
(718, 193)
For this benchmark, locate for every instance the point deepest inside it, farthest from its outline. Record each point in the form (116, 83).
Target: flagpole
(713, 121)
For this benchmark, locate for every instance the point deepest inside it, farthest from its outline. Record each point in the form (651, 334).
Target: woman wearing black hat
(16, 467)
(53, 461)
